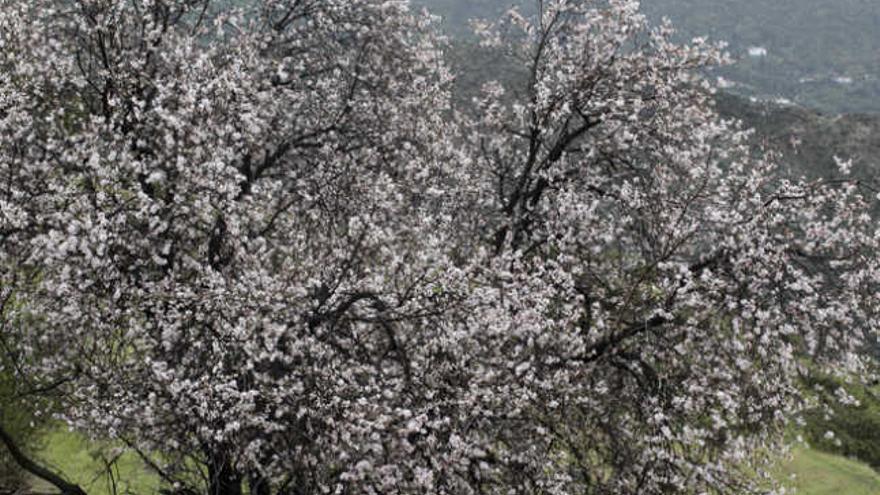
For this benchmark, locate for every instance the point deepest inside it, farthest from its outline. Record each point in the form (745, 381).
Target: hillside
(809, 140)
(823, 54)
(819, 53)
(812, 472)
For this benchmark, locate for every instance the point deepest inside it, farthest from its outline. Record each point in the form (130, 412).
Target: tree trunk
(37, 470)
(258, 485)
(224, 479)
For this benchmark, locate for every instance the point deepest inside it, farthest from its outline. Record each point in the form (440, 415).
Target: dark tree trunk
(37, 470)
(224, 479)
(258, 485)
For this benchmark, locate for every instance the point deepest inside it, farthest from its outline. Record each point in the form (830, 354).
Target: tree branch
(37, 470)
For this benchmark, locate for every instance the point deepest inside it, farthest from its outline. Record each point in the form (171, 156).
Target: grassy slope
(818, 473)
(815, 473)
(80, 461)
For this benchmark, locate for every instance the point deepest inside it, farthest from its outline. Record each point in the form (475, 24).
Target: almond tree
(260, 248)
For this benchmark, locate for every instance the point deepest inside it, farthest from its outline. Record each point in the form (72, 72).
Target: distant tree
(265, 250)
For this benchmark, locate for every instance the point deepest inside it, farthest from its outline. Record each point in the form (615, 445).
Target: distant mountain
(823, 54)
(819, 53)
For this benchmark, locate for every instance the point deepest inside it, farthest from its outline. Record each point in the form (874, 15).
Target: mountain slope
(809, 140)
(823, 54)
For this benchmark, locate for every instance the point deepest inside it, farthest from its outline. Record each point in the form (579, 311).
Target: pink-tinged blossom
(263, 240)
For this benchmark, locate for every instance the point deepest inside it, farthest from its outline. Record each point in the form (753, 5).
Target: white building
(757, 51)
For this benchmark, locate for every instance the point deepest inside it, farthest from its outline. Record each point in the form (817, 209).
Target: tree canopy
(262, 247)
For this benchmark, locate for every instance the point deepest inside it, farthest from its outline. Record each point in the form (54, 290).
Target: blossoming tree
(260, 247)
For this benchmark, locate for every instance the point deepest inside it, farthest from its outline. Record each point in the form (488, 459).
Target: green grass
(818, 473)
(810, 471)
(80, 461)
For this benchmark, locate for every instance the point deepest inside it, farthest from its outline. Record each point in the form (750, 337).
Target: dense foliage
(850, 427)
(262, 247)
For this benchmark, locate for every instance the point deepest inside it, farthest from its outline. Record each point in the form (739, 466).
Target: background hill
(823, 54)
(808, 140)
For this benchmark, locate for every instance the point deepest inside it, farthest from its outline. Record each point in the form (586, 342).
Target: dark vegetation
(850, 430)
(808, 140)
